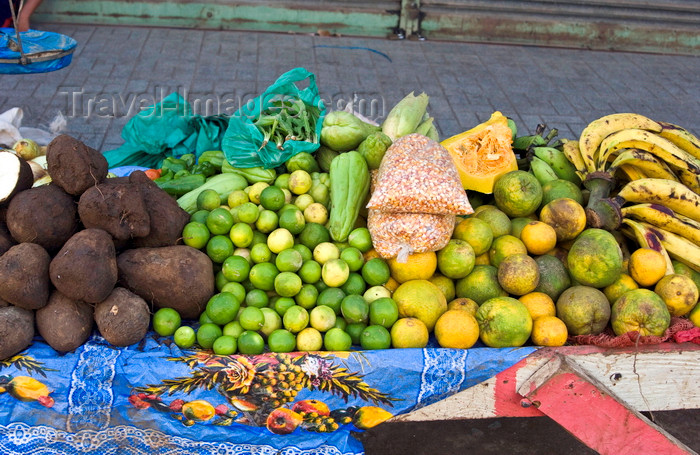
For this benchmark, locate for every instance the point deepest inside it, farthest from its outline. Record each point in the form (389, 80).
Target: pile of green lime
(282, 283)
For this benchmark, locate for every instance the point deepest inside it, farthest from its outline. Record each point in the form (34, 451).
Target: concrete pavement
(118, 70)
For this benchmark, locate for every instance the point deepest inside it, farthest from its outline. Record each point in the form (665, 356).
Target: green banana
(683, 138)
(647, 239)
(663, 217)
(559, 163)
(647, 163)
(668, 193)
(542, 171)
(597, 130)
(677, 247)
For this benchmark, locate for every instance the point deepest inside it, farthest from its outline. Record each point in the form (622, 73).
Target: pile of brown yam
(87, 250)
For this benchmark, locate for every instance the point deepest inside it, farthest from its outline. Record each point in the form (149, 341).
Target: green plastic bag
(242, 142)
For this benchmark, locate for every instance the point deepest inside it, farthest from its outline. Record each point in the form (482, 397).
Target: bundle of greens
(288, 120)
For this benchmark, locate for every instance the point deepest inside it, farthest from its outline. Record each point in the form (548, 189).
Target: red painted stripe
(507, 402)
(598, 420)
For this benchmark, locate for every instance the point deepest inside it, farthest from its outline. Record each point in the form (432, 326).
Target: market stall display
(279, 295)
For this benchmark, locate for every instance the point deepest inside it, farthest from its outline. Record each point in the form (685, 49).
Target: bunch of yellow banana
(659, 205)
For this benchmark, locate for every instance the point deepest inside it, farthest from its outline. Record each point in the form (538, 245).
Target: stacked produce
(369, 242)
(76, 250)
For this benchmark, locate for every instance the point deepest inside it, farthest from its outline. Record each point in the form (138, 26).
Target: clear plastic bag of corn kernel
(417, 175)
(397, 235)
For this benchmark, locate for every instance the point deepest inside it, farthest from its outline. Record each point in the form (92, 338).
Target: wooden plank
(649, 378)
(595, 416)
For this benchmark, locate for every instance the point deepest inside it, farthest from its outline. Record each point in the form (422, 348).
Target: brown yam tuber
(167, 218)
(45, 215)
(179, 277)
(24, 276)
(86, 267)
(117, 208)
(73, 165)
(16, 330)
(6, 240)
(64, 323)
(122, 318)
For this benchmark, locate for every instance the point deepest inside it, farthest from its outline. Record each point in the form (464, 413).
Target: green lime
(255, 191)
(282, 181)
(313, 234)
(257, 298)
(207, 334)
(355, 284)
(331, 297)
(200, 216)
(376, 272)
(360, 239)
(204, 318)
(376, 292)
(219, 221)
(241, 235)
(375, 337)
(281, 340)
(354, 308)
(195, 234)
(244, 253)
(208, 199)
(273, 321)
(335, 272)
(166, 321)
(248, 212)
(309, 339)
(325, 251)
(287, 284)
(310, 272)
(305, 252)
(236, 289)
(251, 318)
(355, 330)
(282, 304)
(292, 220)
(259, 237)
(383, 311)
(295, 319)
(233, 329)
(299, 182)
(272, 198)
(353, 257)
(267, 221)
(262, 276)
(260, 253)
(280, 239)
(322, 318)
(289, 260)
(336, 339)
(224, 345)
(219, 247)
(235, 268)
(316, 213)
(250, 343)
(340, 323)
(236, 198)
(307, 295)
(184, 337)
(220, 280)
(321, 286)
(222, 308)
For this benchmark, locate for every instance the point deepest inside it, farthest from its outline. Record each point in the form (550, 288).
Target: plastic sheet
(47, 51)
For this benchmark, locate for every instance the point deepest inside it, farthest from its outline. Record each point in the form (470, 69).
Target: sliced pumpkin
(483, 153)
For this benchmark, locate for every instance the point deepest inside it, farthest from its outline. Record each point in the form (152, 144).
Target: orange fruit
(456, 329)
(517, 193)
(420, 299)
(418, 266)
(615, 290)
(549, 331)
(584, 310)
(642, 311)
(538, 237)
(539, 305)
(463, 304)
(409, 333)
(679, 292)
(476, 232)
(518, 274)
(503, 322)
(566, 216)
(504, 246)
(595, 258)
(456, 259)
(646, 266)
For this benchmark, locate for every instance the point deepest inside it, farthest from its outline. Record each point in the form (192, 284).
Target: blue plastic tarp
(156, 398)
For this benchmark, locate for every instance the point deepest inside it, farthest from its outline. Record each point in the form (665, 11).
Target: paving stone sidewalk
(118, 70)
